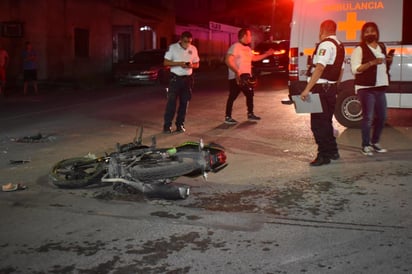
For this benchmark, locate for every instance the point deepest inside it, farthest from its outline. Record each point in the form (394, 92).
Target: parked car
(145, 67)
(278, 62)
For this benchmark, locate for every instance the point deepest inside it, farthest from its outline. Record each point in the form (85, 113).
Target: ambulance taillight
(293, 64)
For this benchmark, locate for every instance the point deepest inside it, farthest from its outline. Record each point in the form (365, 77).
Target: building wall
(50, 26)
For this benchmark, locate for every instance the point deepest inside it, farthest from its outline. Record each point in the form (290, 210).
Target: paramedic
(327, 71)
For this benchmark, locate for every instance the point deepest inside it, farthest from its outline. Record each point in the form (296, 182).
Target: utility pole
(272, 19)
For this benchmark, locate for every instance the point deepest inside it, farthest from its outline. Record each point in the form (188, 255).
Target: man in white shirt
(239, 59)
(182, 57)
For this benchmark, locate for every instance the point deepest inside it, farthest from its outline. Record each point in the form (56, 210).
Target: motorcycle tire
(152, 171)
(76, 173)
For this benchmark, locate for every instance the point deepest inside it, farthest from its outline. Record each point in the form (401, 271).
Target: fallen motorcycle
(146, 168)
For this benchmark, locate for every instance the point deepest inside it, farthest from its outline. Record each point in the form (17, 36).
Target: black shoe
(320, 161)
(167, 130)
(230, 121)
(180, 128)
(252, 117)
(335, 156)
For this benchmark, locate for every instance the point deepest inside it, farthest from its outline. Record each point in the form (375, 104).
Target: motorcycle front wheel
(76, 172)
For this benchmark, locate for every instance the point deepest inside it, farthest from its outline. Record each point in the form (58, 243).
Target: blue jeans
(373, 101)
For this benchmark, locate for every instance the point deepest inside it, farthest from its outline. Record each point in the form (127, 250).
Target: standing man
(239, 59)
(328, 68)
(182, 57)
(29, 68)
(4, 61)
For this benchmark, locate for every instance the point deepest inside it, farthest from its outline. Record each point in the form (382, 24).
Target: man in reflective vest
(328, 67)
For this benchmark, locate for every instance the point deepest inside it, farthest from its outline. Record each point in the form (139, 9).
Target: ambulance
(395, 27)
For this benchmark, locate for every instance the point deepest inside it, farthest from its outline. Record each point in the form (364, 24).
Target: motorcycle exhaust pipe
(164, 191)
(169, 192)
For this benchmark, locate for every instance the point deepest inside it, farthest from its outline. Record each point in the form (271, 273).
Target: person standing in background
(370, 65)
(4, 61)
(239, 59)
(182, 57)
(29, 68)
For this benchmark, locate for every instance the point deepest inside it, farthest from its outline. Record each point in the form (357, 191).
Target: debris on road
(37, 138)
(19, 162)
(12, 187)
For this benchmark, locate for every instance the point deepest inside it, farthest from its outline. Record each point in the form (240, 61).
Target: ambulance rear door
(350, 17)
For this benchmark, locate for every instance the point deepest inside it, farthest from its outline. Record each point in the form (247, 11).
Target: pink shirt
(243, 59)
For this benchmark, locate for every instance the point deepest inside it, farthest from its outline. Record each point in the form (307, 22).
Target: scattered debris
(19, 162)
(90, 156)
(12, 187)
(38, 138)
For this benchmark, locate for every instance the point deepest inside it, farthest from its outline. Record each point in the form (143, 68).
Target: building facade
(79, 40)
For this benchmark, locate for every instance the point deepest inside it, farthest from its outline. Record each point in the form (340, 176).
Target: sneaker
(180, 128)
(253, 117)
(367, 151)
(230, 121)
(378, 148)
(167, 130)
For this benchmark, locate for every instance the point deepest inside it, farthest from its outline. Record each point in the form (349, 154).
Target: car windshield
(146, 57)
(276, 45)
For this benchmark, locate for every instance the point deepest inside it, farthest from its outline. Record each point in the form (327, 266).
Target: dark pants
(30, 75)
(373, 101)
(180, 89)
(234, 91)
(321, 123)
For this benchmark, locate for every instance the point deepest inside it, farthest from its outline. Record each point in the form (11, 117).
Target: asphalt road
(267, 212)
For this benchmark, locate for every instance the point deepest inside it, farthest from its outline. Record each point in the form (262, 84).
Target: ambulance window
(407, 22)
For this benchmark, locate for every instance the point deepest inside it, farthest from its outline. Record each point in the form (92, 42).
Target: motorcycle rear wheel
(76, 172)
(168, 169)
